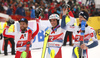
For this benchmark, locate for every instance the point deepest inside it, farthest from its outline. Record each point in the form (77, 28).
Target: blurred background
(34, 8)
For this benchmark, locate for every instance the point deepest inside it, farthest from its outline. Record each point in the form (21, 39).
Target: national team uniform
(55, 41)
(89, 33)
(20, 40)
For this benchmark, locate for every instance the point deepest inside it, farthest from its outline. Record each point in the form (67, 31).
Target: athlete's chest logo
(23, 36)
(55, 37)
(52, 38)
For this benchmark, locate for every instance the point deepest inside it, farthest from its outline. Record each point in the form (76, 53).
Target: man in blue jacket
(20, 10)
(9, 11)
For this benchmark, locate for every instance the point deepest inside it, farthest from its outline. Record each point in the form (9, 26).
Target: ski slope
(66, 52)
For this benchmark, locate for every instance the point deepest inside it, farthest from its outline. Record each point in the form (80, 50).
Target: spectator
(51, 9)
(68, 32)
(42, 11)
(25, 0)
(38, 12)
(63, 1)
(36, 4)
(56, 1)
(11, 1)
(9, 11)
(42, 3)
(20, 10)
(38, 1)
(80, 1)
(1, 7)
(14, 7)
(32, 12)
(87, 1)
(26, 5)
(8, 1)
(6, 39)
(58, 8)
(5, 6)
(48, 1)
(48, 7)
(74, 1)
(76, 11)
(31, 1)
(70, 2)
(46, 13)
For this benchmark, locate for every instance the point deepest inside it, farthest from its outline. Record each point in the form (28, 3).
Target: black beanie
(84, 14)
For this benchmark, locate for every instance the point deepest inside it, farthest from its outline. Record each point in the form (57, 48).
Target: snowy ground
(66, 52)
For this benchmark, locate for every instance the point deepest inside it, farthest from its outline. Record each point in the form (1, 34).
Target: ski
(28, 42)
(83, 23)
(45, 42)
(77, 50)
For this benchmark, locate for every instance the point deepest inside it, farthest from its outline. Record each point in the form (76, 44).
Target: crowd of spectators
(34, 8)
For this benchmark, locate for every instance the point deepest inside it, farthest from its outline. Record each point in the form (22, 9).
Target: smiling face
(23, 26)
(53, 22)
(81, 18)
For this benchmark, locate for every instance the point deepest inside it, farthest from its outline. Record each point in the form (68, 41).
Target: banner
(39, 39)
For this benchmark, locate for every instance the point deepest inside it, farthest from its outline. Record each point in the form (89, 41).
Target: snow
(66, 52)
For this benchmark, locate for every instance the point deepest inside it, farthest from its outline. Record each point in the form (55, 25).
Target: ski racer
(21, 37)
(53, 38)
(89, 33)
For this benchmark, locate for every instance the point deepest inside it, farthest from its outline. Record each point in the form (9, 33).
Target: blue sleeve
(63, 24)
(95, 43)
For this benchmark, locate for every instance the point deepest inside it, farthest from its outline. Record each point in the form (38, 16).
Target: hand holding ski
(83, 23)
(28, 42)
(83, 46)
(45, 42)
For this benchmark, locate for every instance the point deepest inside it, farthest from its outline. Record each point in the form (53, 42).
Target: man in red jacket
(21, 37)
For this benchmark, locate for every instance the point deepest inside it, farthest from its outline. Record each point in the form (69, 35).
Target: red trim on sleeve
(4, 33)
(36, 32)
